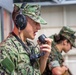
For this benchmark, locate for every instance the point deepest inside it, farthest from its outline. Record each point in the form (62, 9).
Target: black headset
(20, 19)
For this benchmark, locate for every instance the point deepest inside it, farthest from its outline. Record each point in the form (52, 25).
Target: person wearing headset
(64, 41)
(16, 49)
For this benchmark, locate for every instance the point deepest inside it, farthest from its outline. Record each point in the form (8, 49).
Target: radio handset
(42, 40)
(33, 57)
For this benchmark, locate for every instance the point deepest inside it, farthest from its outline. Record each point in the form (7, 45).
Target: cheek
(29, 28)
(68, 47)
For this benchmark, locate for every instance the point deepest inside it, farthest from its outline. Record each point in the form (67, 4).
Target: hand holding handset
(41, 39)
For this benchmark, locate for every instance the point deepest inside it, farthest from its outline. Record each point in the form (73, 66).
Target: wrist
(44, 57)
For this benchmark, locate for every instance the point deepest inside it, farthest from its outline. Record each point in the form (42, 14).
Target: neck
(59, 47)
(19, 34)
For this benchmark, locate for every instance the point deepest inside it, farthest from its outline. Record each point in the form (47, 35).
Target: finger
(49, 41)
(45, 47)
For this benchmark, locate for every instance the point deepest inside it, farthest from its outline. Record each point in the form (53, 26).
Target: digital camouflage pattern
(33, 11)
(14, 59)
(54, 56)
(69, 34)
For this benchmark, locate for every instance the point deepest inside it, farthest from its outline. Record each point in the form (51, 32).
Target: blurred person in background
(16, 49)
(64, 41)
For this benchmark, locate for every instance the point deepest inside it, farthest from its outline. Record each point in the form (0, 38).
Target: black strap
(24, 46)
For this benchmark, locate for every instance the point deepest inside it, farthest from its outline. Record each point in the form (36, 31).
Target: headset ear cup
(20, 21)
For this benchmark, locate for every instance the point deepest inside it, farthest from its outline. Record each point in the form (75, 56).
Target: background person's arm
(59, 70)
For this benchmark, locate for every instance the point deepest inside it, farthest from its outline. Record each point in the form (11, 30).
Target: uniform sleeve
(7, 66)
(54, 64)
(53, 60)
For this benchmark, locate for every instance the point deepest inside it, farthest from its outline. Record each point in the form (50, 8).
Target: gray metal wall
(7, 4)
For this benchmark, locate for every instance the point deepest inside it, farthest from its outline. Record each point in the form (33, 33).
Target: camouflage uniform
(56, 58)
(14, 59)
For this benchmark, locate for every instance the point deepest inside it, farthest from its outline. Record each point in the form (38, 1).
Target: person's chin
(65, 51)
(32, 38)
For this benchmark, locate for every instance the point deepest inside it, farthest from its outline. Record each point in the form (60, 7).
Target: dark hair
(58, 38)
(15, 11)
